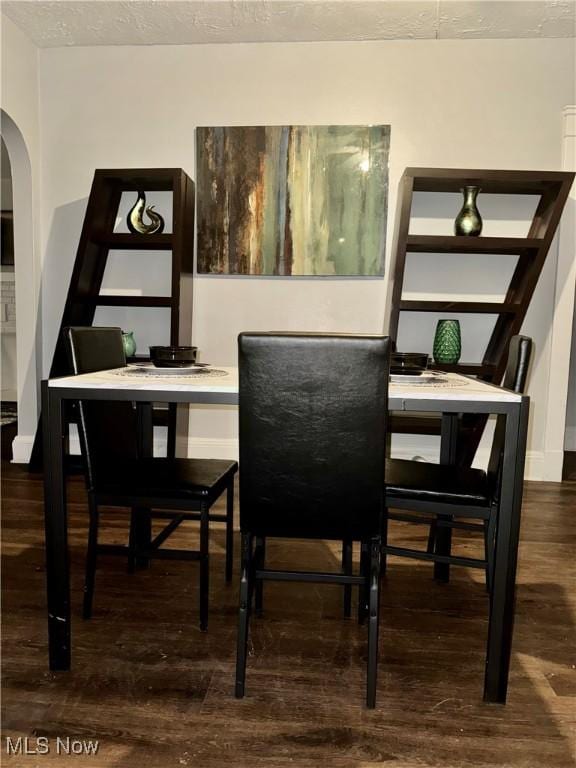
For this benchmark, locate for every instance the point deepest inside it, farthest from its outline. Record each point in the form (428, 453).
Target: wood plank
(117, 300)
(128, 241)
(491, 181)
(147, 179)
(477, 307)
(395, 284)
(454, 244)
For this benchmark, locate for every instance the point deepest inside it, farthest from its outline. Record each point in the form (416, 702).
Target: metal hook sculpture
(135, 220)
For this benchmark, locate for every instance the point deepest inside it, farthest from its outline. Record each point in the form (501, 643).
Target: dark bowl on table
(408, 362)
(173, 357)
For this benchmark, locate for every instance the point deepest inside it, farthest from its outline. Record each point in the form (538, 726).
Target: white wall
(19, 63)
(21, 133)
(561, 411)
(460, 103)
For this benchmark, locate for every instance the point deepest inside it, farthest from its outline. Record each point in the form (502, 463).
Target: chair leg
(246, 578)
(204, 567)
(431, 538)
(383, 554)
(363, 588)
(142, 523)
(229, 530)
(487, 553)
(91, 556)
(132, 541)
(443, 546)
(373, 578)
(260, 560)
(347, 571)
(489, 544)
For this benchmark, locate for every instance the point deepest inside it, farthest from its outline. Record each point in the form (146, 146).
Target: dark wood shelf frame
(552, 188)
(98, 238)
(475, 307)
(453, 244)
(128, 242)
(117, 300)
(493, 182)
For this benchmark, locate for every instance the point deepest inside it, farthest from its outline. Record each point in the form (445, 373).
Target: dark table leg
(448, 455)
(57, 565)
(141, 519)
(504, 586)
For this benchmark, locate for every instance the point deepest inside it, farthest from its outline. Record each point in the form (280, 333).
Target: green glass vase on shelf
(447, 342)
(129, 343)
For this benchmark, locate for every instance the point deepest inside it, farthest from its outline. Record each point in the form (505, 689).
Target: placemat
(143, 373)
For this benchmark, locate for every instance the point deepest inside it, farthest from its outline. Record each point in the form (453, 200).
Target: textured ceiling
(173, 22)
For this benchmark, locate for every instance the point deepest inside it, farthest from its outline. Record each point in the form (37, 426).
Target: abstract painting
(292, 200)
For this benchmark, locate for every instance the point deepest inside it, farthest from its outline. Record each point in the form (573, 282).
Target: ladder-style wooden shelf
(98, 238)
(552, 188)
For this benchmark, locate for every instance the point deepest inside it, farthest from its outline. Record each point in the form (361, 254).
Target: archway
(28, 368)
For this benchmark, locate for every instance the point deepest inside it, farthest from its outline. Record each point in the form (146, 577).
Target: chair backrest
(313, 420)
(108, 430)
(515, 377)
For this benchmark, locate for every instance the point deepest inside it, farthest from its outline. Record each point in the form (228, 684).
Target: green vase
(129, 343)
(468, 223)
(447, 342)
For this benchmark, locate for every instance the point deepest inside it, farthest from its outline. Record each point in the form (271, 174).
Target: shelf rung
(491, 181)
(128, 241)
(473, 307)
(454, 244)
(148, 179)
(132, 301)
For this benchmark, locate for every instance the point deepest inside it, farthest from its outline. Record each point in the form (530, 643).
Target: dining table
(449, 395)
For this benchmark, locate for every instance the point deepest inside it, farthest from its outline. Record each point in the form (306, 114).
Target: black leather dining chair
(313, 420)
(444, 496)
(118, 475)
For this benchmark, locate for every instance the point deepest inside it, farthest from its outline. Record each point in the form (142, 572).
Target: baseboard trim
(213, 448)
(22, 449)
(539, 466)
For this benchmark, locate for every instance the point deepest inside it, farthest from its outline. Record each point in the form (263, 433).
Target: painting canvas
(292, 200)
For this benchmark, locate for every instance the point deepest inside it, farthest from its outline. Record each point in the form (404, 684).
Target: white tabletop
(224, 380)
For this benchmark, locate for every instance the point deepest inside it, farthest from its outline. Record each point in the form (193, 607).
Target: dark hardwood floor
(156, 692)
